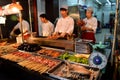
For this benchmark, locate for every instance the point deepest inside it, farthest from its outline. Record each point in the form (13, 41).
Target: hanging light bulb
(15, 5)
(15, 8)
(12, 8)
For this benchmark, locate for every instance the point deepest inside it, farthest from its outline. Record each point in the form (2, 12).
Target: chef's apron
(26, 36)
(88, 36)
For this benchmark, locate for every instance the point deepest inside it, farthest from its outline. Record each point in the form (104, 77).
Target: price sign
(2, 20)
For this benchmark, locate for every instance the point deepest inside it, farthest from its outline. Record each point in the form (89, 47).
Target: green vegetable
(72, 58)
(84, 61)
(64, 56)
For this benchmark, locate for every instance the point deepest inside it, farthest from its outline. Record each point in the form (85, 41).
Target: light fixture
(98, 2)
(108, 2)
(12, 8)
(0, 10)
(15, 5)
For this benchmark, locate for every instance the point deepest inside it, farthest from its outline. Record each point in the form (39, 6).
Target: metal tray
(36, 64)
(50, 52)
(15, 58)
(73, 75)
(53, 59)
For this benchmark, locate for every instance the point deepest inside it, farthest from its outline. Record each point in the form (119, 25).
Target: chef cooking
(65, 24)
(89, 25)
(47, 26)
(25, 26)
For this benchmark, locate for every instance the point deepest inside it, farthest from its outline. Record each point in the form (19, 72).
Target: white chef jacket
(47, 29)
(91, 23)
(65, 25)
(25, 26)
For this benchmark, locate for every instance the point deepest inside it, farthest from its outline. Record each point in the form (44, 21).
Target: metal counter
(63, 44)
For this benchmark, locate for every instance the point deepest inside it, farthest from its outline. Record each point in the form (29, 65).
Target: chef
(25, 26)
(65, 24)
(47, 26)
(89, 29)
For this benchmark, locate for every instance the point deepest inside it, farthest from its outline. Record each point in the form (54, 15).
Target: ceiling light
(12, 8)
(15, 5)
(109, 2)
(98, 2)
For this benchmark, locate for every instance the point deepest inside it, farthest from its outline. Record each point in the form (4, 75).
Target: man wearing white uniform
(47, 26)
(25, 26)
(89, 29)
(65, 24)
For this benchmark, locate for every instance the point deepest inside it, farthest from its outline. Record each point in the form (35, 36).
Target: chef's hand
(55, 34)
(80, 22)
(62, 34)
(83, 28)
(11, 33)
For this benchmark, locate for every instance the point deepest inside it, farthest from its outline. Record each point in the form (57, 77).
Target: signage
(2, 20)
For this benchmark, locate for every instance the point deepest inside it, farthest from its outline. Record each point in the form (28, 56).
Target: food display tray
(40, 63)
(74, 75)
(17, 56)
(51, 52)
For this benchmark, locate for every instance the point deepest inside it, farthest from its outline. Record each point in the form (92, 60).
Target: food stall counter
(64, 44)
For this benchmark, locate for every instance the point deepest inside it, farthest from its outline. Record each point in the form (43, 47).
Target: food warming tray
(36, 63)
(74, 75)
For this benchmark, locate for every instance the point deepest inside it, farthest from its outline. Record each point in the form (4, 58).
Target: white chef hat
(64, 7)
(90, 9)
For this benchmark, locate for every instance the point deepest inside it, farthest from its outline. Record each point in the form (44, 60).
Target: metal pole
(115, 28)
(1, 32)
(30, 19)
(20, 17)
(78, 28)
